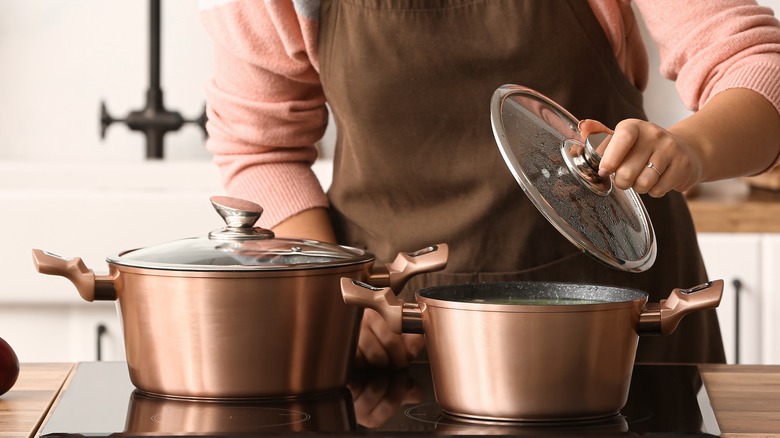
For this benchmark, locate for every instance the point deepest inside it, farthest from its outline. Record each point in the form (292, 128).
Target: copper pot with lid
(238, 313)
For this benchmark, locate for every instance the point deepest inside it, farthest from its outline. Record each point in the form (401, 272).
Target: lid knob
(583, 160)
(240, 217)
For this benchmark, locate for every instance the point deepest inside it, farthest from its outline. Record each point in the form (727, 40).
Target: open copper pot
(238, 313)
(527, 351)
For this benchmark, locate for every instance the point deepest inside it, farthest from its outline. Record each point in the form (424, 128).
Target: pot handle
(401, 317)
(663, 317)
(407, 265)
(90, 286)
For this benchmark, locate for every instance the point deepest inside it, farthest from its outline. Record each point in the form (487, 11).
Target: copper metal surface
(532, 362)
(227, 335)
(239, 337)
(531, 366)
(663, 317)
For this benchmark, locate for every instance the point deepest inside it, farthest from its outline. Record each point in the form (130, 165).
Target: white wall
(59, 59)
(662, 103)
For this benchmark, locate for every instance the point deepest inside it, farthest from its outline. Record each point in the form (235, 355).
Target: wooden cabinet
(749, 263)
(770, 305)
(739, 235)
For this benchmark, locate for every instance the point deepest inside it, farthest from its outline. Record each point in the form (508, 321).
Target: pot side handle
(664, 317)
(407, 265)
(90, 286)
(383, 300)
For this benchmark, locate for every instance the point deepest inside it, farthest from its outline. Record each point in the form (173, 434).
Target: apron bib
(409, 84)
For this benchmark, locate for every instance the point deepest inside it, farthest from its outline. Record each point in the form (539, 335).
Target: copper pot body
(237, 335)
(531, 365)
(513, 362)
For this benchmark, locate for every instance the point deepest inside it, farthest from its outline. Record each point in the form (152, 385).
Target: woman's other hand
(313, 224)
(379, 347)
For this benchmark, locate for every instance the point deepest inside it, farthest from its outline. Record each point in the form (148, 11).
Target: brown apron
(409, 83)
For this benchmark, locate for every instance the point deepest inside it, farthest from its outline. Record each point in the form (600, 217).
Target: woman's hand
(737, 133)
(646, 157)
(379, 347)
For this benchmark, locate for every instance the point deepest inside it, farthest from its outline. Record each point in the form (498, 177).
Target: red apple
(9, 367)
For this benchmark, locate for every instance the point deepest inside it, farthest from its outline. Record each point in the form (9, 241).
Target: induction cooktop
(100, 400)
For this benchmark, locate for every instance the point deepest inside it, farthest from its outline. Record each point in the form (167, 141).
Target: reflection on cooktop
(101, 401)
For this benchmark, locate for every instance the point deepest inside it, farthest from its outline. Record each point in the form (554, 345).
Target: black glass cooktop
(664, 400)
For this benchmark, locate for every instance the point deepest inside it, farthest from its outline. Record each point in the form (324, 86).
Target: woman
(409, 83)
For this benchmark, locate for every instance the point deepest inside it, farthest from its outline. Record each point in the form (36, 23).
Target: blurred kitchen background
(65, 190)
(61, 59)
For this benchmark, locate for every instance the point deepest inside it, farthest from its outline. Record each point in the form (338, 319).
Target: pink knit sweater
(267, 110)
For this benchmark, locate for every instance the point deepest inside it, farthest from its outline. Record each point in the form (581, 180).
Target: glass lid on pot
(240, 246)
(542, 146)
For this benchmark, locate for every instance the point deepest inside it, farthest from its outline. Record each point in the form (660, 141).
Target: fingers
(413, 344)
(619, 156)
(378, 346)
(370, 346)
(649, 178)
(634, 146)
(588, 127)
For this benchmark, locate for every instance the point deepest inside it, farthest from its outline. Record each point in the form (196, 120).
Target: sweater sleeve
(266, 107)
(709, 47)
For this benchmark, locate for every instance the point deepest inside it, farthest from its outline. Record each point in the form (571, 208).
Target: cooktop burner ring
(303, 397)
(432, 413)
(249, 418)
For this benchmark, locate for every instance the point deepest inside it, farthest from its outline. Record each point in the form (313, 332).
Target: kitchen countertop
(745, 398)
(23, 408)
(733, 206)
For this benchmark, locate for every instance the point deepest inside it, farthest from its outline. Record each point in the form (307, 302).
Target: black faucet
(154, 120)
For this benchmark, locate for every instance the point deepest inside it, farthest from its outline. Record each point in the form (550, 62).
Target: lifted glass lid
(543, 148)
(240, 246)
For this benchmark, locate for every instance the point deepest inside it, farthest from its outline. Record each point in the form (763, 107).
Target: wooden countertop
(23, 408)
(745, 398)
(733, 206)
